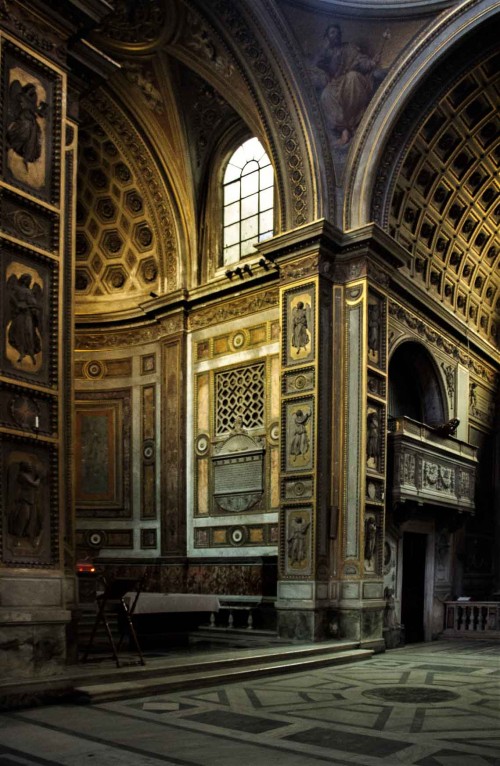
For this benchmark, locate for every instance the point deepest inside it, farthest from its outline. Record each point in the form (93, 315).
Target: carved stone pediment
(431, 469)
(238, 470)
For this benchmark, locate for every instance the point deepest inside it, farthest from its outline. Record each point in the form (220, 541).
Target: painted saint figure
(348, 79)
(25, 313)
(300, 326)
(370, 538)
(390, 609)
(473, 398)
(300, 440)
(24, 135)
(372, 440)
(373, 327)
(297, 548)
(25, 514)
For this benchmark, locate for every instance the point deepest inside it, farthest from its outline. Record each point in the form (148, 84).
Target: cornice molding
(376, 8)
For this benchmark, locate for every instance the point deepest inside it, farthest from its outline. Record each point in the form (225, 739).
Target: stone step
(219, 636)
(145, 681)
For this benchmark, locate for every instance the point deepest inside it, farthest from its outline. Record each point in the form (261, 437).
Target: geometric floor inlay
(411, 694)
(435, 704)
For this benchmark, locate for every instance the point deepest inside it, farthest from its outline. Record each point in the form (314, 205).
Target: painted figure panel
(26, 293)
(26, 503)
(298, 541)
(32, 112)
(299, 435)
(299, 326)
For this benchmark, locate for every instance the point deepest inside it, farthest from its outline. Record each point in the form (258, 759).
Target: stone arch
(252, 47)
(382, 135)
(415, 385)
(247, 53)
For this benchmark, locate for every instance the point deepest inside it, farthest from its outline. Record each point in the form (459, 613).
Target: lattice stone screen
(239, 393)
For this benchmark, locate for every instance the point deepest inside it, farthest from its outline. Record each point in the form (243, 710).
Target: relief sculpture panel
(26, 522)
(374, 438)
(27, 288)
(32, 104)
(299, 326)
(298, 420)
(371, 539)
(437, 477)
(298, 542)
(376, 333)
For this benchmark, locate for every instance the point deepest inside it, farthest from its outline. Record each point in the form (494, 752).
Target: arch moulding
(367, 157)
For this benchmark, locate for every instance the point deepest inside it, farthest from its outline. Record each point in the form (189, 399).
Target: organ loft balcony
(430, 467)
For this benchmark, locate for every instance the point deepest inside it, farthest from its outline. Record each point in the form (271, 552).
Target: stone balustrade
(474, 619)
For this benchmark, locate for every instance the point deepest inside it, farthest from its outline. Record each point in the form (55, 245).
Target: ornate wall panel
(354, 404)
(92, 540)
(299, 424)
(30, 289)
(127, 407)
(103, 454)
(30, 504)
(30, 113)
(67, 435)
(36, 221)
(376, 419)
(362, 520)
(235, 413)
(148, 482)
(173, 521)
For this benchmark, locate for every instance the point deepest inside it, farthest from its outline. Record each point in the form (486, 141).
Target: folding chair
(112, 599)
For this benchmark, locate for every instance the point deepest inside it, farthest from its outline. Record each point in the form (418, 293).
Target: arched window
(248, 190)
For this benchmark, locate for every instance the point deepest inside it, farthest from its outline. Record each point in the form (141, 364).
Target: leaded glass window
(248, 200)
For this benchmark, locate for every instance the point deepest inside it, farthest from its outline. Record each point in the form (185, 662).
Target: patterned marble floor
(428, 704)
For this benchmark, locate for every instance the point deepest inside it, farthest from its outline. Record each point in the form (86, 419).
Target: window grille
(239, 393)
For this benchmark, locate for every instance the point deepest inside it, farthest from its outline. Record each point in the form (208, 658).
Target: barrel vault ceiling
(446, 203)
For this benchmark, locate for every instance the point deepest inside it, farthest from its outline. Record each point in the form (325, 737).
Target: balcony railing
(431, 468)
(472, 619)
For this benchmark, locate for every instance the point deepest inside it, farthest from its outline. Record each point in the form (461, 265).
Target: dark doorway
(412, 601)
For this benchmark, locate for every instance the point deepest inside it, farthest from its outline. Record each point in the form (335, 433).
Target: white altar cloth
(154, 603)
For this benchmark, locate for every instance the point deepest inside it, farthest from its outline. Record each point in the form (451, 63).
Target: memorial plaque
(238, 473)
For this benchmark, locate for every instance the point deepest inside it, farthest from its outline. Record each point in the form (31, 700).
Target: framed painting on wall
(102, 454)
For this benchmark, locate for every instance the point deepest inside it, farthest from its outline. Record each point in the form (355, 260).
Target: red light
(82, 567)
